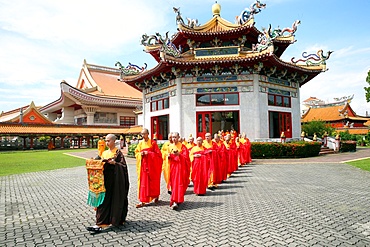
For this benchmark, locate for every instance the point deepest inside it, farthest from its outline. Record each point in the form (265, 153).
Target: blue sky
(44, 42)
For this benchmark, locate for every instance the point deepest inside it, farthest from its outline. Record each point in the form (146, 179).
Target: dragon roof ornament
(131, 69)
(179, 20)
(166, 46)
(267, 37)
(248, 13)
(313, 59)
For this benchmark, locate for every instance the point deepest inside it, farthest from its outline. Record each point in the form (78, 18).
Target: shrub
(131, 150)
(318, 127)
(285, 150)
(348, 146)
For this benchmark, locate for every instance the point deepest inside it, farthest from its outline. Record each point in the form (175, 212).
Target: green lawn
(17, 162)
(362, 164)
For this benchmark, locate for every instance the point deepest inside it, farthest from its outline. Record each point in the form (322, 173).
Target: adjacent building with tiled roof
(99, 98)
(339, 115)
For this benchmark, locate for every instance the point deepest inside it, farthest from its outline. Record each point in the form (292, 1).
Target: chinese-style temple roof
(27, 114)
(216, 45)
(332, 113)
(97, 86)
(355, 131)
(63, 129)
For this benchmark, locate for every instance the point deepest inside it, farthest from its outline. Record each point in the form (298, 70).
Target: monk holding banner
(149, 169)
(108, 187)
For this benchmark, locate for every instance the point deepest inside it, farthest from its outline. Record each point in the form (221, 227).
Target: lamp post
(302, 135)
(325, 136)
(282, 137)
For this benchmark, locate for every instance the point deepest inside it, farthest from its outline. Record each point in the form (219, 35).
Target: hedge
(285, 150)
(273, 150)
(347, 146)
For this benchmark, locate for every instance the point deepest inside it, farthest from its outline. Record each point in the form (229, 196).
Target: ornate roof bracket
(257, 68)
(178, 72)
(197, 71)
(269, 71)
(282, 73)
(292, 76)
(216, 42)
(216, 70)
(236, 69)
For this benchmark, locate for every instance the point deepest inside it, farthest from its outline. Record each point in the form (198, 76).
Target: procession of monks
(204, 163)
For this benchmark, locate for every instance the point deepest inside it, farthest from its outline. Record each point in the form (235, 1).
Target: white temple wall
(296, 116)
(189, 116)
(67, 116)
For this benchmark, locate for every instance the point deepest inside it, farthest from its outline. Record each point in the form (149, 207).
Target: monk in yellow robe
(101, 146)
(149, 169)
(165, 165)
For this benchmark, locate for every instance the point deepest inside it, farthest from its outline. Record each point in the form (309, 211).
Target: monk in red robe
(166, 165)
(213, 164)
(199, 160)
(149, 168)
(179, 165)
(218, 146)
(232, 156)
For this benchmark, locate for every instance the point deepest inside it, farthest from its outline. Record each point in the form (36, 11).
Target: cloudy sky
(44, 42)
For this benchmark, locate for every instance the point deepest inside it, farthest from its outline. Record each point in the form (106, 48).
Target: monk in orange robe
(232, 156)
(101, 146)
(218, 146)
(166, 165)
(213, 165)
(248, 152)
(189, 145)
(179, 165)
(199, 161)
(149, 168)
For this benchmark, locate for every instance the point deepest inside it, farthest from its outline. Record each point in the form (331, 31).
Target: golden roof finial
(216, 9)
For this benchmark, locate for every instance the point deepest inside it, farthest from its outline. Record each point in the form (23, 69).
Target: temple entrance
(279, 122)
(212, 122)
(160, 127)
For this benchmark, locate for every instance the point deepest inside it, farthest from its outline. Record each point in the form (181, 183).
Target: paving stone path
(262, 204)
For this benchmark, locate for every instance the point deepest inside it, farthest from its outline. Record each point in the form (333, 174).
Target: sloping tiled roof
(61, 129)
(31, 114)
(355, 131)
(330, 113)
(110, 86)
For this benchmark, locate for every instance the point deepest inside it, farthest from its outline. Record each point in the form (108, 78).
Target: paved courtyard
(274, 203)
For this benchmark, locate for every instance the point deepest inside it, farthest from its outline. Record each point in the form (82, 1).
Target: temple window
(105, 117)
(217, 99)
(159, 104)
(126, 121)
(279, 100)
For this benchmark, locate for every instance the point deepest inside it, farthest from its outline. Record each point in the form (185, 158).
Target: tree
(367, 89)
(318, 127)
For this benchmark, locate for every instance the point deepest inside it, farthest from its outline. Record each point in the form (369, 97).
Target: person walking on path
(149, 169)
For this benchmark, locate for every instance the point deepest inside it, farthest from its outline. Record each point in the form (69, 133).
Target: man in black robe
(113, 210)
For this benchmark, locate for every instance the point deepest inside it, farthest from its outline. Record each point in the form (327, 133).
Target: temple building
(339, 114)
(98, 105)
(223, 76)
(97, 99)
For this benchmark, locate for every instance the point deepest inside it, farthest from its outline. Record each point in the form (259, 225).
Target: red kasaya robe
(179, 171)
(223, 159)
(199, 174)
(149, 168)
(232, 157)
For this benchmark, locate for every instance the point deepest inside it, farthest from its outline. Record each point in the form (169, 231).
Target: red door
(204, 123)
(285, 124)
